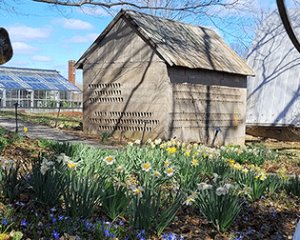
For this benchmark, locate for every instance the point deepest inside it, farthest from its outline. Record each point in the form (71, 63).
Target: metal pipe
(287, 24)
(60, 104)
(16, 113)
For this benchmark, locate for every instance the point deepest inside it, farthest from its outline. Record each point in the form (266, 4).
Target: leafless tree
(235, 20)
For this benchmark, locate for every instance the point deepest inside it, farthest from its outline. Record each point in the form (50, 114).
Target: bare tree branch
(188, 6)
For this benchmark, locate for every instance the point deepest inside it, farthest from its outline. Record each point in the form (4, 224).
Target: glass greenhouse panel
(38, 88)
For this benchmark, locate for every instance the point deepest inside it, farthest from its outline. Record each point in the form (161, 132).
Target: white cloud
(88, 38)
(41, 59)
(18, 63)
(75, 24)
(22, 33)
(24, 49)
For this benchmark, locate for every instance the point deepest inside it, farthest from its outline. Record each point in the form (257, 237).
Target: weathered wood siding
(205, 100)
(125, 83)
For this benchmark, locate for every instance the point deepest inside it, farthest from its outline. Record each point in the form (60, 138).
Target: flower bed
(164, 190)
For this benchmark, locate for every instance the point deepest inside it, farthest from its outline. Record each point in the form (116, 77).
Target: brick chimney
(72, 75)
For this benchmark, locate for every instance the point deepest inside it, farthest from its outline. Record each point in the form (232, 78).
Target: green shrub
(219, 209)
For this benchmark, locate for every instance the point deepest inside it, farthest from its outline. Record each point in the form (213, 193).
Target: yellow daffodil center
(170, 170)
(109, 159)
(120, 168)
(72, 165)
(146, 166)
(138, 191)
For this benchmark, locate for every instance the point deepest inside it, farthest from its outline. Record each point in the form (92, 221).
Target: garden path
(36, 131)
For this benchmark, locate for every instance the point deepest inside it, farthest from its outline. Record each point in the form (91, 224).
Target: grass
(271, 215)
(48, 119)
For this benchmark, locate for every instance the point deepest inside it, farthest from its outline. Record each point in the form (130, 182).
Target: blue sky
(46, 37)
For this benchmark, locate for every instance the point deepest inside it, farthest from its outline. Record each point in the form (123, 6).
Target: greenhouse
(37, 90)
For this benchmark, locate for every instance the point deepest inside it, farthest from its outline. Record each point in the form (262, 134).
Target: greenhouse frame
(37, 90)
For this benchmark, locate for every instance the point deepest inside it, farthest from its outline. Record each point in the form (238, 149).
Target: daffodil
(146, 167)
(221, 191)
(25, 129)
(167, 162)
(247, 190)
(216, 176)
(169, 171)
(157, 141)
(120, 169)
(189, 200)
(44, 169)
(137, 141)
(187, 153)
(149, 140)
(7, 163)
(152, 145)
(228, 186)
(63, 158)
(163, 145)
(47, 162)
(203, 186)
(171, 150)
(72, 165)
(195, 162)
(231, 161)
(263, 177)
(245, 170)
(137, 190)
(130, 144)
(157, 174)
(109, 160)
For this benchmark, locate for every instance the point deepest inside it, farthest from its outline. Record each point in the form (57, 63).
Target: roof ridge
(30, 69)
(167, 19)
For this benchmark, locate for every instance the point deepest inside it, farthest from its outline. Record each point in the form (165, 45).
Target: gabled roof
(34, 79)
(180, 44)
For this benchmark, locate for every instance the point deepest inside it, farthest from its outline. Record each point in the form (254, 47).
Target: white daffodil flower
(7, 163)
(169, 171)
(137, 190)
(221, 191)
(203, 186)
(44, 169)
(109, 160)
(146, 167)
